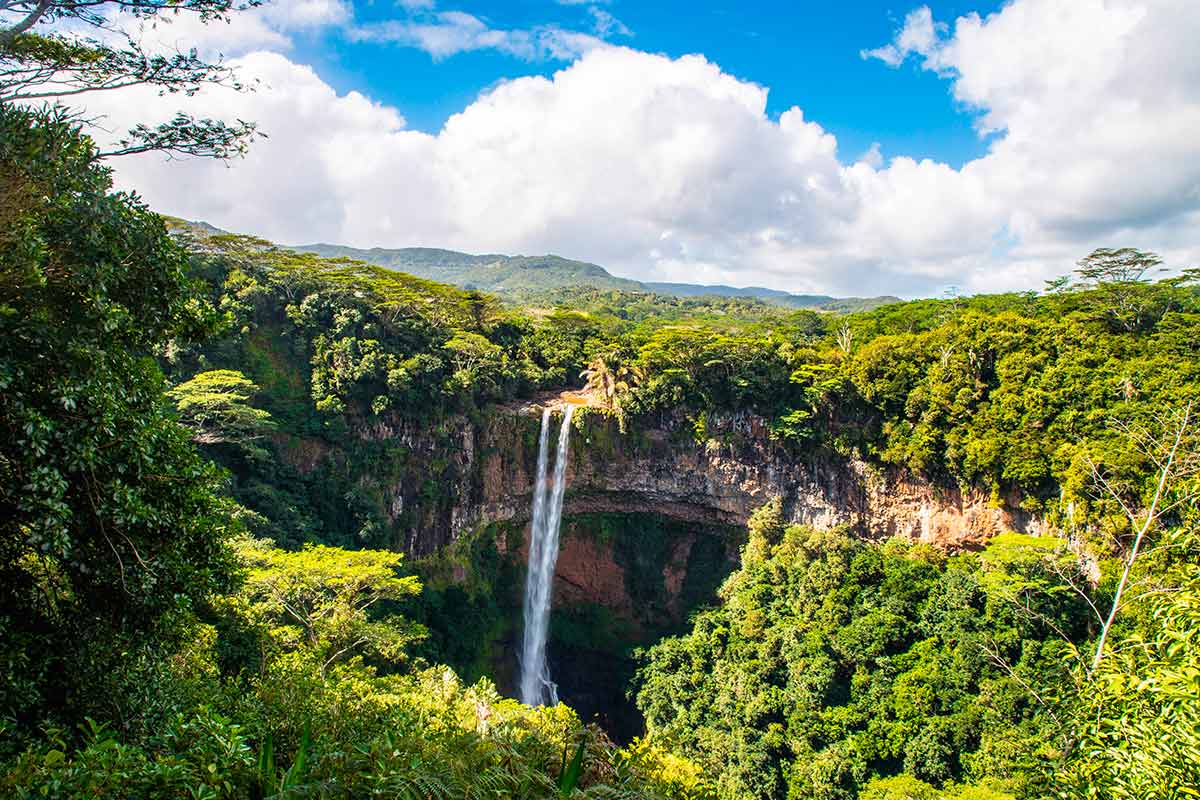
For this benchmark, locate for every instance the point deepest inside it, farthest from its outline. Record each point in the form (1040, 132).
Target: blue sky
(807, 53)
(708, 141)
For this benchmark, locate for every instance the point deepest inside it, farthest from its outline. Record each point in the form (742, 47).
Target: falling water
(536, 686)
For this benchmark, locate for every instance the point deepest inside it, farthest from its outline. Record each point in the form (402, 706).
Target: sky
(851, 148)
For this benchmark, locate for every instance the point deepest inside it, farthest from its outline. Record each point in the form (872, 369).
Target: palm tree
(606, 377)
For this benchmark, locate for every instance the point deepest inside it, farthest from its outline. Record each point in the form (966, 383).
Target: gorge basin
(624, 581)
(652, 522)
(628, 579)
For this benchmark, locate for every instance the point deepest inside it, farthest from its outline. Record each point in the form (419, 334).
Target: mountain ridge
(503, 273)
(523, 275)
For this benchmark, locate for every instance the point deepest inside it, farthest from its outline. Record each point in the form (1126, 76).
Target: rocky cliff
(468, 473)
(652, 526)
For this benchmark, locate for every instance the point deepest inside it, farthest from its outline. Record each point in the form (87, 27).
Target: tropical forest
(315, 520)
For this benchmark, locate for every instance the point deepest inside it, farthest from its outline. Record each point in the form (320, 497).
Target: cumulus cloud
(666, 168)
(919, 34)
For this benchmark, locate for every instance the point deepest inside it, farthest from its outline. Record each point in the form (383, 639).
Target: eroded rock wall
(465, 474)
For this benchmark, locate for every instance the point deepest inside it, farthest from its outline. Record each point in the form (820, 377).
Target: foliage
(327, 600)
(304, 724)
(675, 775)
(832, 661)
(110, 526)
(1004, 392)
(1009, 393)
(1139, 714)
(606, 380)
(215, 405)
(1122, 295)
(37, 65)
(337, 345)
(906, 787)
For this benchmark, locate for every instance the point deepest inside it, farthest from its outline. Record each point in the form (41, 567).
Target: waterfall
(536, 686)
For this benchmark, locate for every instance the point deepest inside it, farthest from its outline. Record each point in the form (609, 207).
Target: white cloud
(446, 33)
(671, 169)
(308, 14)
(269, 26)
(605, 24)
(919, 34)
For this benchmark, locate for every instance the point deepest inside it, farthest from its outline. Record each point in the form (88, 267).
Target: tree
(764, 529)
(326, 600)
(215, 405)
(111, 530)
(1126, 298)
(38, 66)
(845, 338)
(608, 377)
(1140, 714)
(478, 364)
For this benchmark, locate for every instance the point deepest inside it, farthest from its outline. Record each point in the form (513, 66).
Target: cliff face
(467, 474)
(653, 521)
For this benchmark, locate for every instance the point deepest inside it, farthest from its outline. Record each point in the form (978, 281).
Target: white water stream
(536, 686)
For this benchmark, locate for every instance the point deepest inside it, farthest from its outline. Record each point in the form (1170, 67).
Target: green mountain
(524, 274)
(699, 290)
(490, 273)
(820, 302)
(525, 278)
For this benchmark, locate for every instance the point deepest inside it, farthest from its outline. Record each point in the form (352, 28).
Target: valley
(320, 521)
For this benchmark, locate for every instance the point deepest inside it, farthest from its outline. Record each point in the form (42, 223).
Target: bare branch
(993, 654)
(1166, 475)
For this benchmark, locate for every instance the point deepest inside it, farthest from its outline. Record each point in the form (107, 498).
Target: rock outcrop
(470, 474)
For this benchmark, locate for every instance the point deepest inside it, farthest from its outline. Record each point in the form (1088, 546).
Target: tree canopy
(111, 525)
(55, 50)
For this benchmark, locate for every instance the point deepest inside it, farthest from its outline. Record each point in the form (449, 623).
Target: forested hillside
(492, 273)
(526, 278)
(150, 647)
(1004, 392)
(830, 664)
(236, 559)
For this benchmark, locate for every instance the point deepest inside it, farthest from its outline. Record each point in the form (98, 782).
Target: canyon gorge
(653, 519)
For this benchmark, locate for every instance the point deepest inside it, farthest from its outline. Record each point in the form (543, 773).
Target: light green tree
(326, 601)
(216, 406)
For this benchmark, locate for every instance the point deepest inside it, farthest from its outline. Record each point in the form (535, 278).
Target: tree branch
(1152, 515)
(7, 36)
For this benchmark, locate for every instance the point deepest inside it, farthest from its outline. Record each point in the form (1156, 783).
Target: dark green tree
(110, 530)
